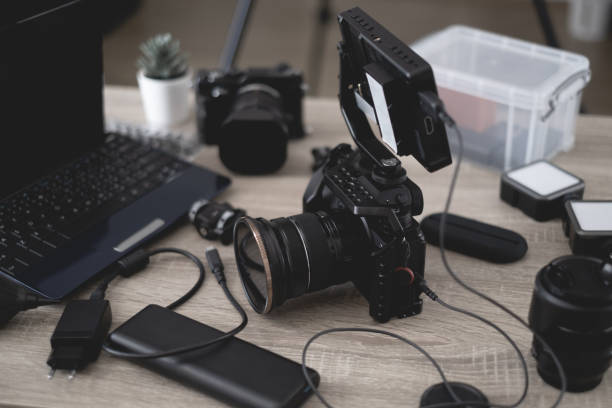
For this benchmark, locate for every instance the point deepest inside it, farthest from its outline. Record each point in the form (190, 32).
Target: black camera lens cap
(580, 280)
(438, 394)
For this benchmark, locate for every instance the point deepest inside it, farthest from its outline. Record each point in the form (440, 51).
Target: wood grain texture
(356, 369)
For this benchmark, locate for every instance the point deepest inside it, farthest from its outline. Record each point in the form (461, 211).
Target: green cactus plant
(162, 58)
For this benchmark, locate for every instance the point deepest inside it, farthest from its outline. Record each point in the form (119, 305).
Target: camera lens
(571, 309)
(287, 257)
(255, 133)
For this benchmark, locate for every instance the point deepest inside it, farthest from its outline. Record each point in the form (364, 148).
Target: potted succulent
(164, 80)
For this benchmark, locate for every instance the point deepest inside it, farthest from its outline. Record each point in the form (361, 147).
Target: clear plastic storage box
(514, 101)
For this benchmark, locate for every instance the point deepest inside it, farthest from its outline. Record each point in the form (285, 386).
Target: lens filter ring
(256, 274)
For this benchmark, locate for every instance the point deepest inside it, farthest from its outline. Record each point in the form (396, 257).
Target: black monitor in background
(51, 107)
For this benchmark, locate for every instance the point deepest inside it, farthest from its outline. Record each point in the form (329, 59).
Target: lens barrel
(255, 133)
(571, 309)
(288, 257)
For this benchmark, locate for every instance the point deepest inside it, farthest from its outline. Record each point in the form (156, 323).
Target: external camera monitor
(540, 189)
(385, 80)
(589, 227)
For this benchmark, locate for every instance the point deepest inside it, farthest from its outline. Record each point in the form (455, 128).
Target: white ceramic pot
(165, 101)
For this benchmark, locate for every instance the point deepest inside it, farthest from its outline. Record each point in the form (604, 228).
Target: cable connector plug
(428, 291)
(79, 334)
(433, 105)
(420, 280)
(215, 264)
(17, 299)
(133, 263)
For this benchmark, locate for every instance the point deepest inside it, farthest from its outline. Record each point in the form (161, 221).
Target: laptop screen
(51, 106)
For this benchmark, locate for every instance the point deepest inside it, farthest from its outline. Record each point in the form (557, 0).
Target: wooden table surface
(357, 370)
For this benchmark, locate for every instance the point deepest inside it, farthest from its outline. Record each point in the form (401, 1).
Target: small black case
(234, 371)
(475, 238)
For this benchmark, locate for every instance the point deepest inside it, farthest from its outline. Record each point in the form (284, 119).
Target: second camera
(251, 115)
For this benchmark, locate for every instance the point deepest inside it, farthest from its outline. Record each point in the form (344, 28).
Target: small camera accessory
(215, 220)
(474, 238)
(571, 309)
(540, 189)
(589, 227)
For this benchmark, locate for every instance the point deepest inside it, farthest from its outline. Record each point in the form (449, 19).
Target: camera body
(217, 92)
(392, 251)
(359, 205)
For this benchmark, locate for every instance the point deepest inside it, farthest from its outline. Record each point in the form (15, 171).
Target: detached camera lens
(571, 309)
(288, 257)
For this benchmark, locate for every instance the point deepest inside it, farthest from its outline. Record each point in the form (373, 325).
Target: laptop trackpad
(139, 235)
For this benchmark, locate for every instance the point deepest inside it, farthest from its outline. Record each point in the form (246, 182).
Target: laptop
(74, 199)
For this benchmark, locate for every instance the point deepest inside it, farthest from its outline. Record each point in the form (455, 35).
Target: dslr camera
(358, 222)
(251, 115)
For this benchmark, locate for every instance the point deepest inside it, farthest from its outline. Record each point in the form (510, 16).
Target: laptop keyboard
(45, 216)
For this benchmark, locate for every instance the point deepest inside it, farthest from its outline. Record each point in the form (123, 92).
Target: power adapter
(78, 337)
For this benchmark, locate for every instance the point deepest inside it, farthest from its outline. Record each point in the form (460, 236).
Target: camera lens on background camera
(254, 135)
(288, 257)
(571, 309)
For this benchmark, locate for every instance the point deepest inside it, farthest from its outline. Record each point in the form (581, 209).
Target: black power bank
(234, 371)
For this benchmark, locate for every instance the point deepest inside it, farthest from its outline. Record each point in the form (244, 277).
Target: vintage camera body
(218, 91)
(393, 250)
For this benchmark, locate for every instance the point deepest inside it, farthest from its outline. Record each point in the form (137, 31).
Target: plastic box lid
(503, 69)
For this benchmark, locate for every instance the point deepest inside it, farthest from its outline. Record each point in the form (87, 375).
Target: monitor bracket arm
(356, 120)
